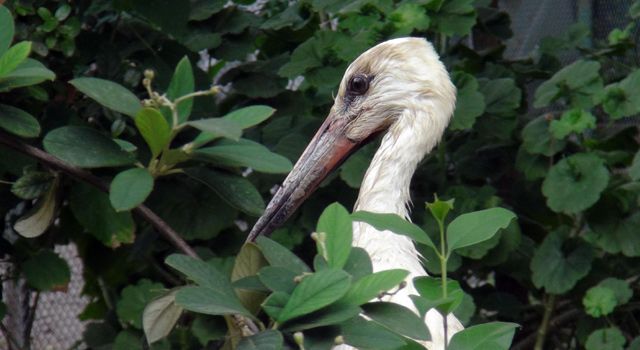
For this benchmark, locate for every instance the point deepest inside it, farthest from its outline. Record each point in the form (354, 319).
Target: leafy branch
(82, 175)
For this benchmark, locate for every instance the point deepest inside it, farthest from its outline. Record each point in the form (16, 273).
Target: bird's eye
(358, 85)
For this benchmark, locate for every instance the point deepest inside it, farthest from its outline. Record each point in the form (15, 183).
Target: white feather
(412, 83)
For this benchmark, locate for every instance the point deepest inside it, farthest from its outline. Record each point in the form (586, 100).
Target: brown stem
(142, 211)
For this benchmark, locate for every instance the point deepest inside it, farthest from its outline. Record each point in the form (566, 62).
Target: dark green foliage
(555, 144)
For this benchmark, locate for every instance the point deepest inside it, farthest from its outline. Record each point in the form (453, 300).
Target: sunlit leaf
(336, 224)
(154, 129)
(133, 298)
(13, 57)
(160, 315)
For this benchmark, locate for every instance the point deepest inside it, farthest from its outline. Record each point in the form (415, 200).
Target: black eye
(358, 85)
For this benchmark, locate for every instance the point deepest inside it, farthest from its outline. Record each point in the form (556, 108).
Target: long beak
(326, 151)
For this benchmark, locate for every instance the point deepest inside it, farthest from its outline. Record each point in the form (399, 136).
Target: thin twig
(31, 317)
(541, 336)
(143, 211)
(555, 323)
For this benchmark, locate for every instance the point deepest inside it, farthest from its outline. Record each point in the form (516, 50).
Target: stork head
(397, 85)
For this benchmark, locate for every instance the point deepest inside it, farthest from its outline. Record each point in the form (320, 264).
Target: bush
(130, 84)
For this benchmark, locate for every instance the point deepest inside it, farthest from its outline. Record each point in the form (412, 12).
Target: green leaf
(278, 255)
(619, 100)
(238, 191)
(13, 57)
(469, 102)
(572, 121)
(250, 116)
(209, 301)
(274, 303)
(154, 129)
(208, 328)
(398, 319)
(315, 292)
(353, 170)
(616, 235)
(133, 299)
(214, 128)
(369, 335)
(94, 212)
(18, 122)
(245, 153)
(202, 273)
(127, 340)
(130, 188)
(575, 183)
(246, 266)
(455, 17)
(7, 29)
(203, 9)
(471, 228)
(440, 209)
(331, 315)
(30, 72)
(160, 315)
(187, 208)
(371, 286)
(85, 147)
(267, 340)
(493, 335)
(619, 287)
(599, 301)
(336, 223)
(536, 138)
(502, 96)
(278, 279)
(557, 269)
(41, 216)
(182, 83)
(395, 224)
(32, 185)
(407, 17)
(46, 271)
(606, 339)
(359, 264)
(430, 289)
(109, 94)
(634, 10)
(579, 82)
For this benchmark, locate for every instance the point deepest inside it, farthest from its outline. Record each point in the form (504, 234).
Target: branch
(549, 305)
(82, 175)
(555, 323)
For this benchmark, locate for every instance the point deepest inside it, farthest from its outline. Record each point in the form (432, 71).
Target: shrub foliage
(165, 125)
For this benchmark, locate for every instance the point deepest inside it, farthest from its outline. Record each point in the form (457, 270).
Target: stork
(399, 88)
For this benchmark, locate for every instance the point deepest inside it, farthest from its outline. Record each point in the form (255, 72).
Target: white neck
(385, 186)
